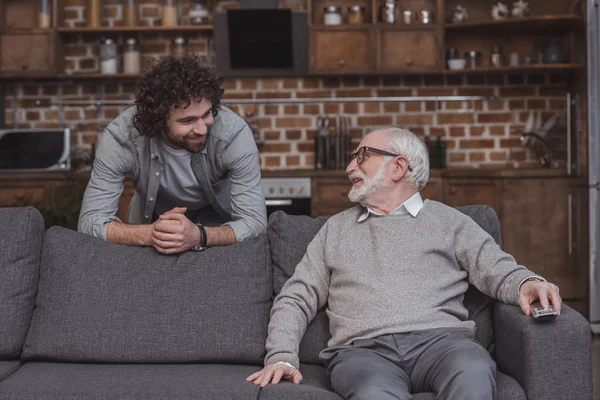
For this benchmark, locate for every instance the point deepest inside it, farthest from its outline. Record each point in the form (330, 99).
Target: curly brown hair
(173, 82)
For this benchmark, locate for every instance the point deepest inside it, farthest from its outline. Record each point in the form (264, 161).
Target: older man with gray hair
(393, 272)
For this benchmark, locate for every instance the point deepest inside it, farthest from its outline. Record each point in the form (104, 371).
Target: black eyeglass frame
(359, 154)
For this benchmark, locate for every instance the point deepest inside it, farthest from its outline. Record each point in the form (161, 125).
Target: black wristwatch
(202, 245)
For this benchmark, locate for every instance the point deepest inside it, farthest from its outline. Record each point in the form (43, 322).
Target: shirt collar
(411, 206)
(155, 151)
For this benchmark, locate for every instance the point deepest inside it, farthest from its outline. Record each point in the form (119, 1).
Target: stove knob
(281, 190)
(291, 190)
(301, 189)
(271, 190)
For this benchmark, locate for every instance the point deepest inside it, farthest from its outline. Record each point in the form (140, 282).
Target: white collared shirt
(411, 206)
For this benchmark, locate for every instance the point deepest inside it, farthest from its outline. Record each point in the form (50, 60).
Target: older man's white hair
(409, 145)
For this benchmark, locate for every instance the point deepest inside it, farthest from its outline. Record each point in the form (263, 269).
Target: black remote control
(544, 314)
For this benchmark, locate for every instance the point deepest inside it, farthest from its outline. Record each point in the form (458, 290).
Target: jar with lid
(94, 13)
(179, 47)
(198, 14)
(108, 56)
(496, 59)
(169, 13)
(387, 12)
(131, 57)
(356, 15)
(44, 14)
(131, 15)
(332, 15)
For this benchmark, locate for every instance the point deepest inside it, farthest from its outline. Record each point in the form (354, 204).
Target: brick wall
(477, 134)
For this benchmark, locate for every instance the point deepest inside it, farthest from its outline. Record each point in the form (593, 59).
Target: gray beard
(370, 186)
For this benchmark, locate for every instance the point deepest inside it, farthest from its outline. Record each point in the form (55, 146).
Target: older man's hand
(273, 373)
(547, 293)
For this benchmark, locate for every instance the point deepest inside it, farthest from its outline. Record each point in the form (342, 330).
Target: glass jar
(179, 47)
(332, 15)
(356, 15)
(44, 20)
(131, 57)
(169, 13)
(387, 12)
(94, 13)
(198, 14)
(108, 56)
(130, 14)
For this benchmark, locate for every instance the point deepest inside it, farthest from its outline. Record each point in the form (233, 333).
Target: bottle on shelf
(131, 14)
(44, 20)
(438, 154)
(496, 60)
(179, 47)
(131, 57)
(198, 14)
(94, 13)
(108, 57)
(169, 13)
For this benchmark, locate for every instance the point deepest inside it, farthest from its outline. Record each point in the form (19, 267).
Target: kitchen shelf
(520, 69)
(117, 29)
(95, 75)
(525, 24)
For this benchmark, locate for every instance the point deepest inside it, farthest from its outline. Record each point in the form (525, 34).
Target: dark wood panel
(464, 192)
(18, 57)
(341, 50)
(417, 50)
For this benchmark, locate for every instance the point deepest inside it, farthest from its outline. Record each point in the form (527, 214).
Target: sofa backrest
(289, 236)
(103, 302)
(21, 232)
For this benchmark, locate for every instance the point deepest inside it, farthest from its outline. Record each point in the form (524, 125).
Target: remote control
(544, 314)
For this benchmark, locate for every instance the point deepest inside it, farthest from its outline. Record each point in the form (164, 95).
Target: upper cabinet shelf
(526, 24)
(116, 29)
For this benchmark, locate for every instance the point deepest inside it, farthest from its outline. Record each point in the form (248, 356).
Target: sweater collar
(411, 206)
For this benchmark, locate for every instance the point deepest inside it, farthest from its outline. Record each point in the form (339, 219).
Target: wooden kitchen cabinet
(543, 226)
(341, 50)
(18, 57)
(330, 196)
(415, 50)
(467, 191)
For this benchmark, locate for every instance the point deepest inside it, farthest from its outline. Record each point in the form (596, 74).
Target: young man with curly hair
(194, 165)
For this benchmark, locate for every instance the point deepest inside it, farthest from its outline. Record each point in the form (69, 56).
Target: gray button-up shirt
(228, 171)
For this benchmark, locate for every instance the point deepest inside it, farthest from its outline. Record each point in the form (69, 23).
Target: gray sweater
(390, 274)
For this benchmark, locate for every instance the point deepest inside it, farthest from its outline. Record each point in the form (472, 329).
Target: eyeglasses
(360, 154)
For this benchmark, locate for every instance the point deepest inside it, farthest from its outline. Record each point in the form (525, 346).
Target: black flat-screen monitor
(24, 150)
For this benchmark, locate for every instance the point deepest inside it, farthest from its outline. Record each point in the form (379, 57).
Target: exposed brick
(372, 108)
(516, 130)
(557, 78)
(272, 161)
(32, 115)
(263, 122)
(331, 83)
(311, 133)
(290, 83)
(272, 135)
(379, 120)
(89, 139)
(496, 105)
(292, 161)
(430, 106)
(517, 91)
(271, 109)
(476, 144)
(394, 92)
(272, 95)
(276, 148)
(310, 83)
(516, 79)
(372, 81)
(51, 115)
(475, 131)
(476, 79)
(353, 93)
(111, 113)
(33, 103)
(248, 83)
(414, 119)
(351, 108)
(391, 81)
(293, 135)
(391, 107)
(495, 118)
(435, 131)
(553, 91)
(87, 64)
(510, 142)
(457, 156)
(331, 108)
(516, 104)
(457, 131)
(558, 104)
(291, 109)
(229, 84)
(454, 80)
(477, 156)
(497, 130)
(238, 95)
(498, 156)
(413, 80)
(350, 81)
(536, 79)
(435, 92)
(75, 50)
(293, 122)
(413, 106)
(306, 147)
(455, 118)
(495, 79)
(270, 83)
(311, 109)
(471, 91)
(314, 94)
(309, 160)
(433, 80)
(31, 90)
(86, 127)
(536, 104)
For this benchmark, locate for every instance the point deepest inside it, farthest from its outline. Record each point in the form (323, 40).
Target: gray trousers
(448, 362)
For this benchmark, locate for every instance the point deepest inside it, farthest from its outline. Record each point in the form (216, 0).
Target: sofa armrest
(551, 360)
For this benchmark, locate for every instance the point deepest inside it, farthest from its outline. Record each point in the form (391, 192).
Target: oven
(290, 195)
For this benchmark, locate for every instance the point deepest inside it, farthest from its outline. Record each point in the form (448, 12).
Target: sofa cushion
(314, 386)
(21, 233)
(289, 236)
(57, 381)
(103, 302)
(7, 368)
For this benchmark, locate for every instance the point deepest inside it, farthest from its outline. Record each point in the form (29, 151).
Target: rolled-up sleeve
(101, 199)
(247, 194)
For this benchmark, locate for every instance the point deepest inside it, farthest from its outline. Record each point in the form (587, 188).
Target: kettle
(552, 52)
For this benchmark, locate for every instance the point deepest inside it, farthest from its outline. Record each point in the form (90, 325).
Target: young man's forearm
(132, 235)
(219, 236)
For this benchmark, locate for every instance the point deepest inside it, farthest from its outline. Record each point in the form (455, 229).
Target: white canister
(108, 57)
(131, 57)
(332, 15)
(514, 59)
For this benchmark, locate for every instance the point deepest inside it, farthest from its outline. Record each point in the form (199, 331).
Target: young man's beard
(181, 142)
(370, 185)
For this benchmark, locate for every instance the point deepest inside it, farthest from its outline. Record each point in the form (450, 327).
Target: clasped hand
(174, 233)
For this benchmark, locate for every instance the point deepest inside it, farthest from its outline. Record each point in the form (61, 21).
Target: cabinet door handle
(570, 222)
(453, 190)
(409, 62)
(342, 63)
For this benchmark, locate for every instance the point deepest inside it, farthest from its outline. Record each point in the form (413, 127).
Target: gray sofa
(81, 318)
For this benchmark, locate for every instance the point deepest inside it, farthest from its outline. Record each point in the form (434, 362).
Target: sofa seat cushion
(506, 389)
(314, 386)
(57, 381)
(7, 368)
(103, 302)
(21, 233)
